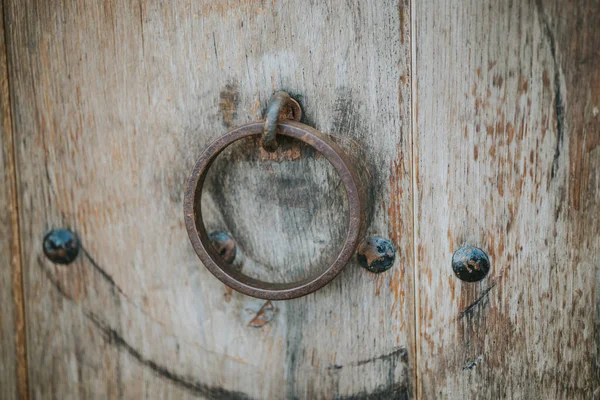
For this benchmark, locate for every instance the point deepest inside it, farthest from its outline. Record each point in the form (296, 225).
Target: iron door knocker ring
(280, 105)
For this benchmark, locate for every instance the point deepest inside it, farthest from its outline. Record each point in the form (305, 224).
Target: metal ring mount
(281, 107)
(236, 279)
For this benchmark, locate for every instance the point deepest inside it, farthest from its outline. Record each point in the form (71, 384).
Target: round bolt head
(470, 264)
(61, 246)
(376, 254)
(224, 245)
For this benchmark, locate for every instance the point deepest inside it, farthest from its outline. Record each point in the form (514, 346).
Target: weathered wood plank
(508, 160)
(113, 102)
(13, 369)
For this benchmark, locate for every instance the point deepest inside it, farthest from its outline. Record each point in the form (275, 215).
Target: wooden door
(480, 125)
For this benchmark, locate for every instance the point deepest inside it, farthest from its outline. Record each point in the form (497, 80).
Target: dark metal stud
(224, 245)
(376, 254)
(470, 264)
(61, 246)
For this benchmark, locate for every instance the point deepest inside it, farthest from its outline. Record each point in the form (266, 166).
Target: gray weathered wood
(508, 160)
(113, 101)
(13, 376)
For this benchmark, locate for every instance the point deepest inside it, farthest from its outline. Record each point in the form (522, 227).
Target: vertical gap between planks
(16, 261)
(413, 130)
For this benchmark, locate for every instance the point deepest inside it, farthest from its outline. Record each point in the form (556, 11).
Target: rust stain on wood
(263, 316)
(228, 103)
(523, 86)
(402, 15)
(394, 210)
(288, 150)
(228, 293)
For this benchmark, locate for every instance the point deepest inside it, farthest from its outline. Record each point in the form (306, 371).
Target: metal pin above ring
(281, 107)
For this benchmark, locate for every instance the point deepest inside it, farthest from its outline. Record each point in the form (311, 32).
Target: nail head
(470, 264)
(376, 254)
(224, 245)
(61, 246)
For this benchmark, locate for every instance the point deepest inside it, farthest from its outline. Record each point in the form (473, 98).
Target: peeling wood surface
(112, 103)
(13, 372)
(507, 155)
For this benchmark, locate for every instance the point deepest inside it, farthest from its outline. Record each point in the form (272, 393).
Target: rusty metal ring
(281, 106)
(234, 278)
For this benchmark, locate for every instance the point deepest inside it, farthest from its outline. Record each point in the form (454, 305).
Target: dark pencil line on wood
(102, 272)
(198, 388)
(476, 302)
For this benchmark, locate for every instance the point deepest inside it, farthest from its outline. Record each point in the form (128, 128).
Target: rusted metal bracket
(281, 107)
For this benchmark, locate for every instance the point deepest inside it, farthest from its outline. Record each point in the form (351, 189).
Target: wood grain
(13, 366)
(113, 101)
(508, 159)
